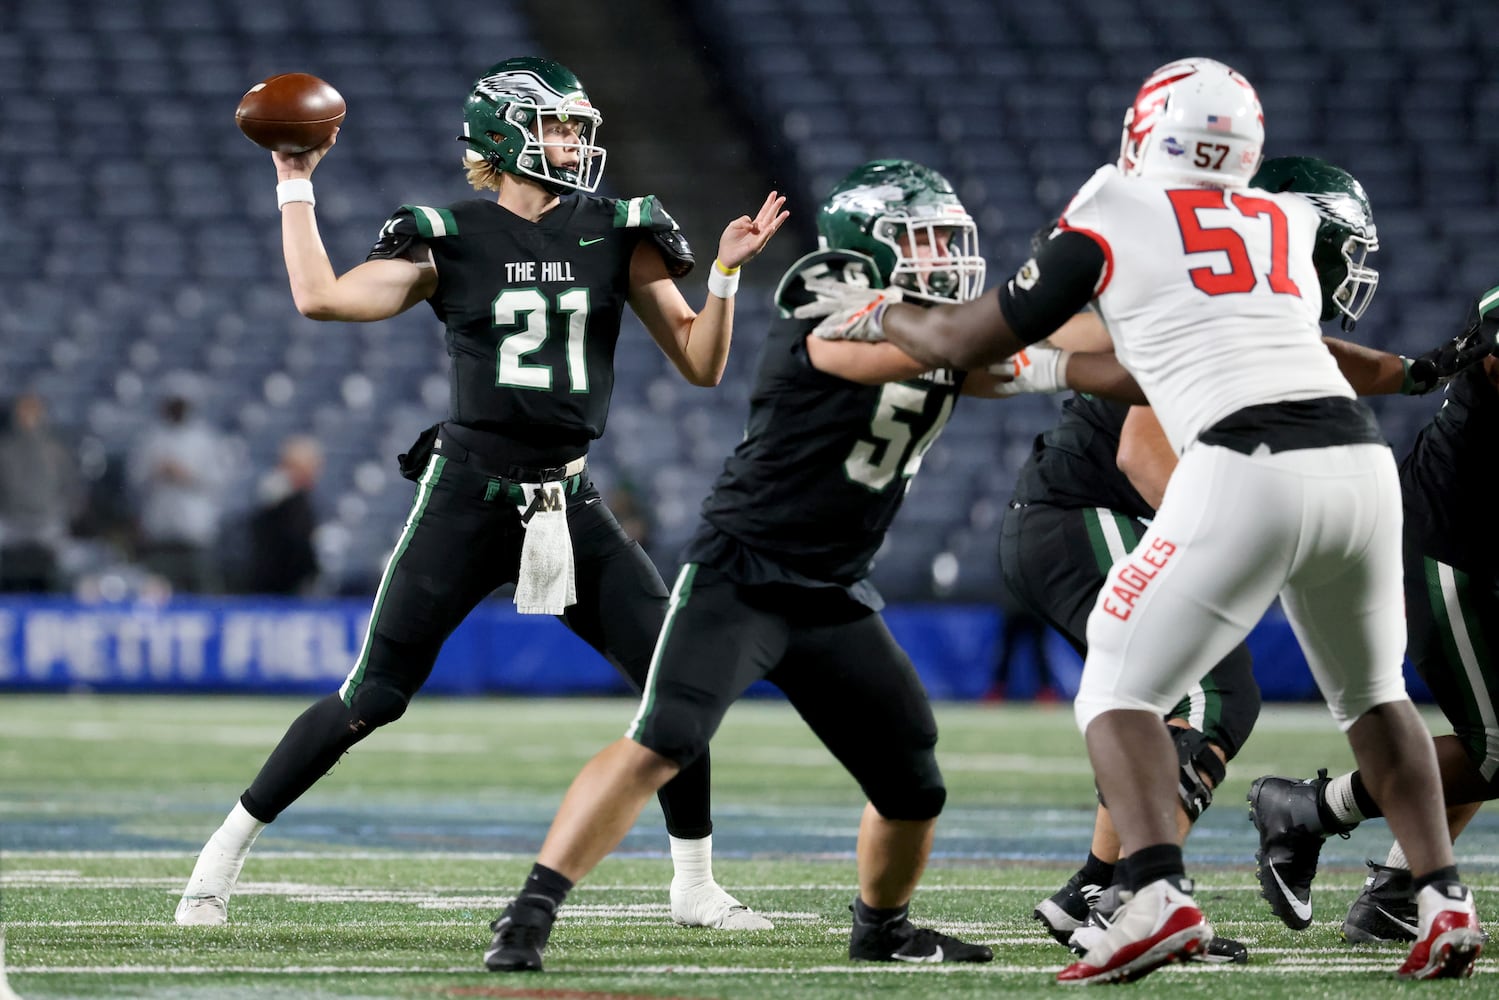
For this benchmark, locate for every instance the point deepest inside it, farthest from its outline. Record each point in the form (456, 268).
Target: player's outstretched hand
(1037, 369)
(745, 237)
(849, 312)
(1479, 339)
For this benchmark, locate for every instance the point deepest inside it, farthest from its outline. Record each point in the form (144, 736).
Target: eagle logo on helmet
(1345, 230)
(908, 220)
(502, 123)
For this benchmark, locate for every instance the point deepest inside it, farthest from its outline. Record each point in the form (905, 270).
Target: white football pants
(1319, 527)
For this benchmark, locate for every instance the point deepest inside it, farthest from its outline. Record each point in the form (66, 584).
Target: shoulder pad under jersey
(851, 266)
(647, 213)
(412, 224)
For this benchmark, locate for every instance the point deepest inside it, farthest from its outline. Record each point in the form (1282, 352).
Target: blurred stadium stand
(143, 237)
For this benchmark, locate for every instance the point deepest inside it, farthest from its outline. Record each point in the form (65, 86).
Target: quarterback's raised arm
(697, 343)
(377, 289)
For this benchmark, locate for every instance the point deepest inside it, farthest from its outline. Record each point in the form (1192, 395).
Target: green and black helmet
(886, 209)
(501, 122)
(1346, 236)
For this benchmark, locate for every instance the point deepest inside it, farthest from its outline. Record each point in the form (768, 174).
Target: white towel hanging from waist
(546, 584)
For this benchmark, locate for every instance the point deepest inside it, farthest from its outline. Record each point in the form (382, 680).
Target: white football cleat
(1448, 938)
(205, 900)
(1158, 925)
(202, 911)
(706, 904)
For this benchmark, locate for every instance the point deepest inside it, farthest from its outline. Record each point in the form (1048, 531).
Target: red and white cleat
(1448, 938)
(1158, 925)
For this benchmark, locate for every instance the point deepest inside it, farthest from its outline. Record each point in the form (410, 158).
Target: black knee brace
(911, 789)
(1201, 770)
(375, 704)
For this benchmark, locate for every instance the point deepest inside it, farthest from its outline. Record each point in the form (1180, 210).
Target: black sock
(1448, 874)
(1361, 797)
(1157, 861)
(864, 914)
(1121, 873)
(1096, 872)
(544, 888)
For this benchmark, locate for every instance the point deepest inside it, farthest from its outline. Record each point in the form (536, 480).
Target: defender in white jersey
(1284, 488)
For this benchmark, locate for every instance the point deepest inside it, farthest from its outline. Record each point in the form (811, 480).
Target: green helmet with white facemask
(502, 123)
(885, 209)
(1345, 236)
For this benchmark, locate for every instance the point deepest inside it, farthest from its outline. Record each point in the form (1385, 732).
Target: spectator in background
(40, 490)
(177, 472)
(1021, 627)
(282, 557)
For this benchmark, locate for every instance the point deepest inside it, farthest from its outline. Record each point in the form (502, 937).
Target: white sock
(224, 855)
(1397, 857)
(692, 860)
(238, 832)
(1339, 798)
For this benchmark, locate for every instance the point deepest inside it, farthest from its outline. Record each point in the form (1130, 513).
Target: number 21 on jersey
(526, 310)
(1242, 274)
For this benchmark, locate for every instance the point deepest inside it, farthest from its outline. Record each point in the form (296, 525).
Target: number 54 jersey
(825, 462)
(532, 309)
(1209, 294)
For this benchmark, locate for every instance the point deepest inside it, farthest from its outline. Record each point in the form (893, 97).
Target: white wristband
(297, 189)
(723, 281)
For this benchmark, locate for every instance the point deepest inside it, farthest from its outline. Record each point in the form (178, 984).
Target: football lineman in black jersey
(530, 286)
(775, 582)
(1451, 561)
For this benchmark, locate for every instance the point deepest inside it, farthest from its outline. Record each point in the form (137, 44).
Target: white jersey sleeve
(1209, 294)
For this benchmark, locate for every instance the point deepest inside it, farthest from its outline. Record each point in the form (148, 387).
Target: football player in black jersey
(530, 285)
(775, 582)
(1451, 560)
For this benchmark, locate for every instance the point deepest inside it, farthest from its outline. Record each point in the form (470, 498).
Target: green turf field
(381, 881)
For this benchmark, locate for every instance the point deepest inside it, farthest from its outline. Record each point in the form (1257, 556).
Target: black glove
(1479, 339)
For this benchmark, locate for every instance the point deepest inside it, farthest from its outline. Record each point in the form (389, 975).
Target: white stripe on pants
(1319, 527)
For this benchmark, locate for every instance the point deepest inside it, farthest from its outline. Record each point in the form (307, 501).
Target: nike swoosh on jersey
(933, 958)
(1302, 910)
(588, 243)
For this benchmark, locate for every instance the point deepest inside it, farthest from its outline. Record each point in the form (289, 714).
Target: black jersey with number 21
(532, 309)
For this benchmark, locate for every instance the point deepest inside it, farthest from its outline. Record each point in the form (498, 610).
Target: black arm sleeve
(1054, 285)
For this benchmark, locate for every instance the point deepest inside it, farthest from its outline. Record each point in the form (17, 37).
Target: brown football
(290, 113)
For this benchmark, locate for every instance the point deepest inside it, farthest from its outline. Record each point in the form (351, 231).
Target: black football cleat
(1385, 909)
(1065, 910)
(901, 941)
(1285, 813)
(1223, 951)
(520, 936)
